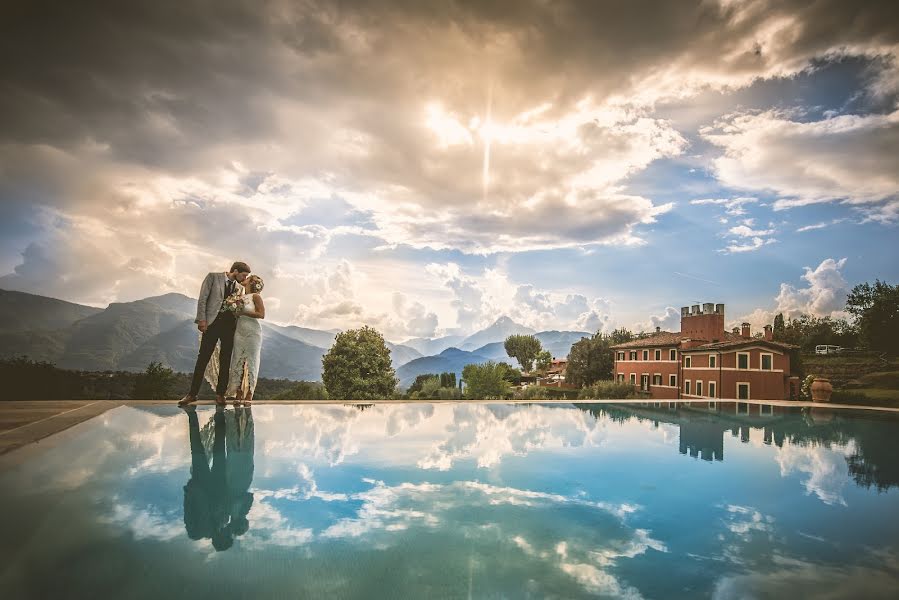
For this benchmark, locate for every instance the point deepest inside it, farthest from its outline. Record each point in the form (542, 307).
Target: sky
(427, 167)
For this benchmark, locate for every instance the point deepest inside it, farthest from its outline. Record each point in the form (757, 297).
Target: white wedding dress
(245, 357)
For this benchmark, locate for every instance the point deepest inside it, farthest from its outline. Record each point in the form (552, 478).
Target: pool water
(456, 501)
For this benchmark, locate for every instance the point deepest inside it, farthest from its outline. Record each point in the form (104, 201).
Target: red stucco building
(703, 361)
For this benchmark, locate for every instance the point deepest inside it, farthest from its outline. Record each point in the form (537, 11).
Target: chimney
(708, 308)
(695, 309)
(658, 329)
(745, 331)
(719, 308)
(736, 331)
(684, 311)
(769, 333)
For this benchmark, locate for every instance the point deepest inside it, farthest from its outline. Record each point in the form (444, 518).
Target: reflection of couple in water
(217, 497)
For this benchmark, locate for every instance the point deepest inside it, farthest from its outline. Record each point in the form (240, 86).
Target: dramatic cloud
(847, 158)
(479, 300)
(143, 144)
(823, 296)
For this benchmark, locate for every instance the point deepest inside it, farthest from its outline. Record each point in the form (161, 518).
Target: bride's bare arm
(259, 312)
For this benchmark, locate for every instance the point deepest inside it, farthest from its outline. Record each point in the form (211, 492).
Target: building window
(633, 379)
(672, 380)
(621, 377)
(742, 391)
(688, 360)
(687, 386)
(644, 382)
(646, 355)
(658, 355)
(767, 362)
(742, 360)
(712, 362)
(712, 390)
(633, 355)
(672, 354)
(657, 379)
(699, 388)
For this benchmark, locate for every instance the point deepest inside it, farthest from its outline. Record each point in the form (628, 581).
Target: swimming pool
(455, 501)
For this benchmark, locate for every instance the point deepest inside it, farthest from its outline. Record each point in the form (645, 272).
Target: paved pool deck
(30, 421)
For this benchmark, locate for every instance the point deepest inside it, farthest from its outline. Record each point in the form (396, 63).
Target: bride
(244, 371)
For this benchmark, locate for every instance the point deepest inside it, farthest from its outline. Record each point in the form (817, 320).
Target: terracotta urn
(821, 389)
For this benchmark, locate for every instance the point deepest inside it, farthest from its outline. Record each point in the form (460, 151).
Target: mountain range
(129, 335)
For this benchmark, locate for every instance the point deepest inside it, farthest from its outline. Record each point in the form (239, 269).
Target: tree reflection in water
(871, 464)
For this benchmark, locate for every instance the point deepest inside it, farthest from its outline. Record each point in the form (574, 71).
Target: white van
(823, 349)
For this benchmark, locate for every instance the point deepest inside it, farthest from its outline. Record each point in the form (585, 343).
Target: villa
(704, 361)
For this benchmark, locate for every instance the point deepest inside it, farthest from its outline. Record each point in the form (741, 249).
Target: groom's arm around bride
(217, 326)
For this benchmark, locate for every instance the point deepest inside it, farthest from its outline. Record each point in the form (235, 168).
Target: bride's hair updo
(255, 283)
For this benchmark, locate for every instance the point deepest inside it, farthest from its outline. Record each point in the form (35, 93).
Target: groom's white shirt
(212, 294)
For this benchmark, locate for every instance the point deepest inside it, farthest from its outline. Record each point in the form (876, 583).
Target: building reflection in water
(217, 497)
(702, 426)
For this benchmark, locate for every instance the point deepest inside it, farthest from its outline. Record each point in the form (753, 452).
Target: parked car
(826, 349)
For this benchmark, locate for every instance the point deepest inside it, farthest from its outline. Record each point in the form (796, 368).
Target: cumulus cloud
(164, 141)
(845, 158)
(480, 299)
(669, 320)
(824, 295)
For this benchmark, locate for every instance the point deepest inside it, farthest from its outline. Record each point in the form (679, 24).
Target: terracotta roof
(662, 338)
(741, 341)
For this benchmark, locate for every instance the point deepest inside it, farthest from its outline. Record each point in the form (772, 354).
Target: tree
(357, 366)
(620, 336)
(779, 327)
(524, 348)
(876, 310)
(420, 381)
(156, 383)
(486, 381)
(447, 380)
(544, 361)
(590, 360)
(303, 390)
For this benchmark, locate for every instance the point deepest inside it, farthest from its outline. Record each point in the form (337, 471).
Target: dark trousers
(221, 330)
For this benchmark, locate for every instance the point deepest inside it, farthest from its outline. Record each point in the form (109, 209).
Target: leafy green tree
(448, 380)
(544, 361)
(156, 383)
(429, 388)
(620, 336)
(876, 310)
(486, 381)
(419, 381)
(590, 360)
(779, 327)
(304, 390)
(523, 348)
(357, 366)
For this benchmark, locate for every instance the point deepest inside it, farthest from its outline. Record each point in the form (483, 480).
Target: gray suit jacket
(212, 294)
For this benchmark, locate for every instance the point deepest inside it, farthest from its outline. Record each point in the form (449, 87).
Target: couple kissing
(229, 310)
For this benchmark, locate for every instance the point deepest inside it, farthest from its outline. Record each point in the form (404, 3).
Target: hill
(451, 360)
(21, 312)
(498, 332)
(558, 343)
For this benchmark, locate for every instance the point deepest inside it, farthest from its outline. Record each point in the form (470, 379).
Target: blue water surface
(460, 500)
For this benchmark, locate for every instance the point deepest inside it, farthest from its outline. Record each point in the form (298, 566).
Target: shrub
(607, 390)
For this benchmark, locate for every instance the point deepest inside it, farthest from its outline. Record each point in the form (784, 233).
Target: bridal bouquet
(233, 303)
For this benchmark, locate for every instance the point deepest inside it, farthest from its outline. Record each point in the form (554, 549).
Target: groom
(217, 325)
